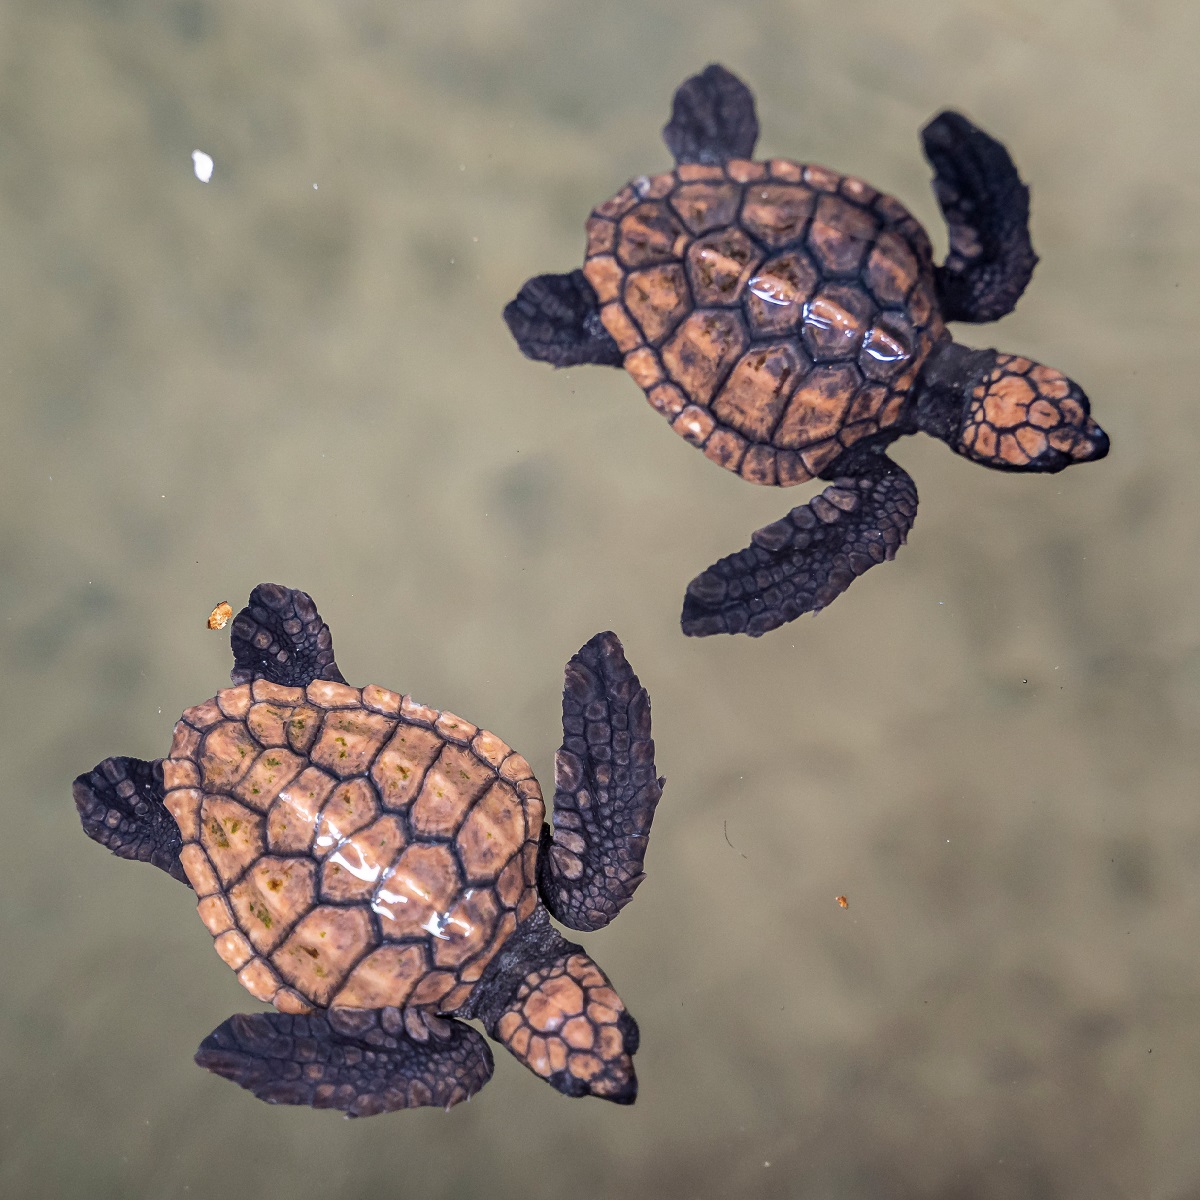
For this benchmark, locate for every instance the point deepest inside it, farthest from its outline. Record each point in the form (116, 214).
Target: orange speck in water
(219, 617)
(843, 902)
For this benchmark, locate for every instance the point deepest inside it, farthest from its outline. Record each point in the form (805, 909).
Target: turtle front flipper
(556, 319)
(555, 1011)
(361, 1062)
(986, 207)
(279, 636)
(712, 119)
(806, 560)
(120, 804)
(606, 790)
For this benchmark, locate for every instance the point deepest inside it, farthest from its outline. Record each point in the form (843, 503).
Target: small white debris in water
(202, 164)
(314, 187)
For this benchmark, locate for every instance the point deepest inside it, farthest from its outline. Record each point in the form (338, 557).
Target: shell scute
(719, 266)
(605, 275)
(417, 893)
(228, 753)
(321, 950)
(777, 293)
(271, 771)
(292, 819)
(267, 722)
(231, 834)
(385, 978)
(649, 233)
(836, 321)
(324, 693)
(350, 740)
(468, 928)
(235, 702)
(777, 213)
(705, 206)
(452, 784)
(352, 804)
(492, 833)
(704, 348)
(399, 769)
(657, 298)
(817, 407)
(891, 269)
(757, 390)
(840, 235)
(354, 868)
(302, 727)
(269, 898)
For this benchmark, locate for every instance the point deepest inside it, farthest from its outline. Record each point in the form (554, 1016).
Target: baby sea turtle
(379, 871)
(790, 321)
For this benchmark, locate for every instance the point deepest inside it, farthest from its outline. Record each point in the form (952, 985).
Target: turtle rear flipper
(606, 790)
(556, 319)
(986, 207)
(120, 803)
(279, 636)
(712, 119)
(361, 1062)
(803, 562)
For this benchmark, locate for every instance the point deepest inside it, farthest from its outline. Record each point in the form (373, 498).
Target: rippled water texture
(298, 371)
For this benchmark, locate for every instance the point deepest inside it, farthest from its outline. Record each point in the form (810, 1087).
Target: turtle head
(1008, 412)
(1021, 416)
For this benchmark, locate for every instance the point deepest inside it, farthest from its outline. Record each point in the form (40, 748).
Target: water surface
(298, 372)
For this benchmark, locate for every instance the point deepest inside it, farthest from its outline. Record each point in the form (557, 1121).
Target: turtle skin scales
(775, 313)
(352, 849)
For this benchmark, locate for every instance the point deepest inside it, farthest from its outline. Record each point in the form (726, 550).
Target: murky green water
(298, 372)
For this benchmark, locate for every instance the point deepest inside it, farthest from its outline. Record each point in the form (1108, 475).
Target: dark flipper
(986, 207)
(279, 636)
(712, 119)
(556, 319)
(121, 806)
(554, 1010)
(362, 1062)
(606, 790)
(803, 562)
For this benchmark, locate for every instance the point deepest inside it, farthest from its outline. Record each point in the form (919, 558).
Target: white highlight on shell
(770, 290)
(368, 873)
(202, 164)
(435, 925)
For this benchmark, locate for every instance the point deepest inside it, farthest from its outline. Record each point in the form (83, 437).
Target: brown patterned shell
(352, 848)
(775, 313)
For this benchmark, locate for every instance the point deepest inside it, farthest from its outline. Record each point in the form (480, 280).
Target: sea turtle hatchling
(380, 871)
(790, 321)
